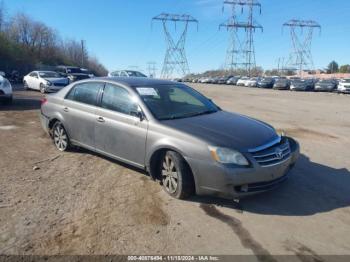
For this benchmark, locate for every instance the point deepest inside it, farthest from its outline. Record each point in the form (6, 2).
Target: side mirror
(138, 114)
(2, 74)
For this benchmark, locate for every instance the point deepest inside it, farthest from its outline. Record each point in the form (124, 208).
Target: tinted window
(118, 99)
(33, 74)
(85, 93)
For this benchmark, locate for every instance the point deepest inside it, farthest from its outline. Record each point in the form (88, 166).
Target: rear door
(119, 133)
(79, 110)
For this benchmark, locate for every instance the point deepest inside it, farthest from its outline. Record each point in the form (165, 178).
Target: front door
(119, 132)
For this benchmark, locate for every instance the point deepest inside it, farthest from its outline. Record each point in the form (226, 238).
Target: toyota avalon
(176, 134)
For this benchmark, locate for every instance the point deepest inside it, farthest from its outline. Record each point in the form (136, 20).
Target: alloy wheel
(60, 138)
(169, 175)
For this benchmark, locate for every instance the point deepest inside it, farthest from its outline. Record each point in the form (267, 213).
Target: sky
(120, 33)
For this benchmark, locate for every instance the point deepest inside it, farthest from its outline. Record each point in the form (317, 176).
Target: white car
(242, 81)
(344, 86)
(252, 82)
(5, 90)
(45, 81)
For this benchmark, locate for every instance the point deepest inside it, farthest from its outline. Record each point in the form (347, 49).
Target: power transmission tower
(175, 56)
(151, 69)
(300, 57)
(238, 54)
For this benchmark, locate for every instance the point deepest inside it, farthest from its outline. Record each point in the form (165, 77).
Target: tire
(42, 89)
(176, 176)
(60, 137)
(25, 85)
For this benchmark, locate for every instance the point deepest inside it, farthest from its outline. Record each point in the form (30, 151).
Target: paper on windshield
(147, 91)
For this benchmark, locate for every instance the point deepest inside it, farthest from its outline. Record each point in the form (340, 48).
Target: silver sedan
(177, 135)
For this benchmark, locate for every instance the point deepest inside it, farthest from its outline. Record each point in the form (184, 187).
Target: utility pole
(301, 57)
(175, 56)
(238, 54)
(151, 69)
(82, 52)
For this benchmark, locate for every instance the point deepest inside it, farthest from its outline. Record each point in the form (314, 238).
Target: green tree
(344, 69)
(333, 67)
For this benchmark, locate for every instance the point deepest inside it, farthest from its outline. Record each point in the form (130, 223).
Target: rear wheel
(176, 176)
(60, 137)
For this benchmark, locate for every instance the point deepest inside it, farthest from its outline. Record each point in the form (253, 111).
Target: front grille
(274, 154)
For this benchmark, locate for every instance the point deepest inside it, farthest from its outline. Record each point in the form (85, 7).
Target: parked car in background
(344, 86)
(223, 80)
(73, 73)
(45, 81)
(266, 82)
(302, 85)
(171, 131)
(5, 90)
(242, 81)
(233, 80)
(327, 85)
(252, 82)
(282, 84)
(129, 73)
(205, 80)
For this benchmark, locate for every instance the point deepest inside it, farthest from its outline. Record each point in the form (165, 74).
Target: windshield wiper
(192, 114)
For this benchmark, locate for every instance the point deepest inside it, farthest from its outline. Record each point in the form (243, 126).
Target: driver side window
(118, 99)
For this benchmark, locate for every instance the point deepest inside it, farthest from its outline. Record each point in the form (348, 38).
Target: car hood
(226, 129)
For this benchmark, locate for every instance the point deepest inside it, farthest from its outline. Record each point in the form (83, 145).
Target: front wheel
(60, 137)
(42, 89)
(25, 85)
(176, 176)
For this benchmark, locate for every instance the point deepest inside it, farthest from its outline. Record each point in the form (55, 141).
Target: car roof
(136, 81)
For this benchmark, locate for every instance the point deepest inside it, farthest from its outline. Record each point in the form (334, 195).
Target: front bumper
(235, 182)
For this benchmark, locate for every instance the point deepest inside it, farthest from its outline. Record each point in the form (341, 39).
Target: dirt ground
(81, 203)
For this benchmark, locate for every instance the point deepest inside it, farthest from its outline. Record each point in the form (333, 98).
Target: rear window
(85, 93)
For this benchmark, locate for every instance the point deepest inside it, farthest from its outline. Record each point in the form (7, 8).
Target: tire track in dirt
(242, 233)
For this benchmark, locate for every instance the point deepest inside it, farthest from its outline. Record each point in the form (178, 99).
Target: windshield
(49, 74)
(135, 73)
(326, 82)
(175, 101)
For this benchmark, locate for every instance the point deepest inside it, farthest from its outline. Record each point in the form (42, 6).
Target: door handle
(66, 109)
(101, 119)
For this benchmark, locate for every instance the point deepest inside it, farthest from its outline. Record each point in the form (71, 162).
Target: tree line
(27, 44)
(334, 67)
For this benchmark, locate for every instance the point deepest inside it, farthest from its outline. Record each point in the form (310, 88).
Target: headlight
(228, 156)
(48, 83)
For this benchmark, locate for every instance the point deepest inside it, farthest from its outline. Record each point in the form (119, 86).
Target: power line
(241, 54)
(175, 56)
(300, 57)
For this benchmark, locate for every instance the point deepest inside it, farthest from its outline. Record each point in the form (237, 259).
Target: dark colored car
(233, 80)
(267, 82)
(282, 84)
(223, 80)
(326, 85)
(302, 85)
(73, 73)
